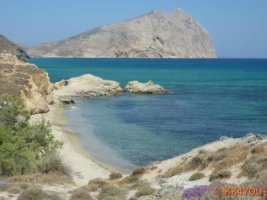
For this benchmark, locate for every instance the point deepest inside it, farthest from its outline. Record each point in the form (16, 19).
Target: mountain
(9, 47)
(154, 35)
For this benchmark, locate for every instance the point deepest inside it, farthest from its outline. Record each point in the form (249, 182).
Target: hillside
(154, 35)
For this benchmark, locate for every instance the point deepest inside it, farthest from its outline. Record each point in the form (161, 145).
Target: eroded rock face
(153, 35)
(145, 88)
(19, 78)
(88, 85)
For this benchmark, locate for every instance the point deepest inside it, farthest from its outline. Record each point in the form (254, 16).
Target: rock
(144, 88)
(154, 35)
(66, 101)
(60, 84)
(19, 78)
(90, 86)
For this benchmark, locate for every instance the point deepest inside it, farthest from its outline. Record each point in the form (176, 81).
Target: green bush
(196, 176)
(22, 145)
(53, 163)
(111, 192)
(115, 175)
(144, 189)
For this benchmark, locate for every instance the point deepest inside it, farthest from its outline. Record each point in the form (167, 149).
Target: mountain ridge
(153, 35)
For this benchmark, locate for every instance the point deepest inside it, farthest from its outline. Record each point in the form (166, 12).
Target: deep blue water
(212, 98)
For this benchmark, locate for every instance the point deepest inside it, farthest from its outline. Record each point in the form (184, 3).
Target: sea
(211, 98)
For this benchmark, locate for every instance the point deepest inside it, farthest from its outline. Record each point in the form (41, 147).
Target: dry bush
(41, 178)
(173, 171)
(115, 175)
(138, 172)
(96, 184)
(220, 175)
(235, 155)
(250, 169)
(80, 194)
(34, 193)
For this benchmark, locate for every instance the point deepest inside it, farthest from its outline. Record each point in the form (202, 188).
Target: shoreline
(82, 165)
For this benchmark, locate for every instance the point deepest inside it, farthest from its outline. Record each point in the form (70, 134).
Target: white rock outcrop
(144, 88)
(88, 85)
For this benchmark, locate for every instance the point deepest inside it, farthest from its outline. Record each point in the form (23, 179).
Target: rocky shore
(229, 162)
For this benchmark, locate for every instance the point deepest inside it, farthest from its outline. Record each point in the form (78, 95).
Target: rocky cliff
(19, 78)
(153, 35)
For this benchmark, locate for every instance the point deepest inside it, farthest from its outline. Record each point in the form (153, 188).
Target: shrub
(144, 189)
(173, 171)
(196, 162)
(96, 184)
(14, 190)
(114, 175)
(32, 193)
(220, 175)
(81, 194)
(138, 172)
(21, 145)
(53, 163)
(111, 192)
(196, 176)
(250, 169)
(130, 179)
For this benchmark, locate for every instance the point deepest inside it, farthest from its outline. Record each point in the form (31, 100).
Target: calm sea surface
(212, 98)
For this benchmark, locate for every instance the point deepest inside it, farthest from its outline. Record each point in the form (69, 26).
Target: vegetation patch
(220, 175)
(22, 146)
(80, 194)
(112, 192)
(196, 176)
(138, 172)
(115, 175)
(144, 189)
(96, 184)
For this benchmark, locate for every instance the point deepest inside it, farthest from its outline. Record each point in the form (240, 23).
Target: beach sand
(83, 167)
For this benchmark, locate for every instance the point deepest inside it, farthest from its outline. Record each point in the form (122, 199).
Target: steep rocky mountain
(153, 35)
(19, 78)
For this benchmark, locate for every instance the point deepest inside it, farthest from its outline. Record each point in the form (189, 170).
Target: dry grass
(224, 158)
(80, 194)
(96, 184)
(115, 175)
(220, 175)
(41, 178)
(256, 163)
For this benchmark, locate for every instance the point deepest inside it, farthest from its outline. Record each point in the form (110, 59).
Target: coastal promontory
(19, 78)
(154, 35)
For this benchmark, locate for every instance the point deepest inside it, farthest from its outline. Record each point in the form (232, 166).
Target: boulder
(144, 88)
(90, 86)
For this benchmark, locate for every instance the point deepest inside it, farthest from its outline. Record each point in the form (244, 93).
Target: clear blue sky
(238, 28)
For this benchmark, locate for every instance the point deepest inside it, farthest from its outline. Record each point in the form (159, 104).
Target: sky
(238, 28)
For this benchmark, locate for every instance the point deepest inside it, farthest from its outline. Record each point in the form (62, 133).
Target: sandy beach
(83, 167)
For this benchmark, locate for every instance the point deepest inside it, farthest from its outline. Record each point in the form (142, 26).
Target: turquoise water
(212, 98)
